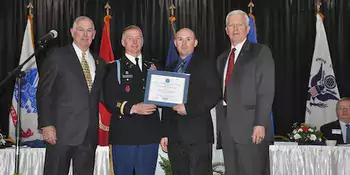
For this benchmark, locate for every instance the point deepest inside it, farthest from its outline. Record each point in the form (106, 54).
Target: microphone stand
(19, 74)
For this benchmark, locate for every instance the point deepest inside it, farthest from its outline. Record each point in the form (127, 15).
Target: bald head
(185, 42)
(186, 30)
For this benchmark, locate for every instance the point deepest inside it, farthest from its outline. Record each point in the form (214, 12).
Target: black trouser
(58, 157)
(190, 159)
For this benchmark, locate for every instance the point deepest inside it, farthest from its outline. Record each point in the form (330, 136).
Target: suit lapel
(339, 136)
(192, 64)
(244, 57)
(222, 63)
(76, 66)
(98, 74)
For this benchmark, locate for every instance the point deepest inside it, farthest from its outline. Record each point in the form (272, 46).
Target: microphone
(49, 36)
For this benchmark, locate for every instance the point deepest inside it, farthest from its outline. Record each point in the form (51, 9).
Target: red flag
(106, 53)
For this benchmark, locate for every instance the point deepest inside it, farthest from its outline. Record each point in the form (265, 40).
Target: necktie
(137, 64)
(231, 63)
(181, 68)
(86, 71)
(347, 134)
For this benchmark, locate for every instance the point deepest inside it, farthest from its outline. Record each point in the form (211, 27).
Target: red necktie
(231, 63)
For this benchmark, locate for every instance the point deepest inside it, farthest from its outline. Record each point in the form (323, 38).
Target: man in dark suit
(340, 129)
(67, 98)
(135, 126)
(188, 128)
(247, 72)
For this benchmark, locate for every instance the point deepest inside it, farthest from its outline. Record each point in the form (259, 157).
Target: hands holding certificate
(180, 109)
(143, 109)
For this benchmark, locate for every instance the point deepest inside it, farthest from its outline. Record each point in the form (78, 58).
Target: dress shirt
(89, 59)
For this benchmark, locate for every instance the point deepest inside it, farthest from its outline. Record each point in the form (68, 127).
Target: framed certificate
(166, 88)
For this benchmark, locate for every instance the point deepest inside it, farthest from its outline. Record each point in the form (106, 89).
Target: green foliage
(305, 133)
(166, 166)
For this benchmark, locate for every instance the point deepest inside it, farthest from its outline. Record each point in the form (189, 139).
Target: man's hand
(180, 109)
(143, 109)
(153, 67)
(258, 134)
(164, 144)
(49, 134)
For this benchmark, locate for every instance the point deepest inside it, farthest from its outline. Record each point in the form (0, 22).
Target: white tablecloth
(32, 161)
(309, 160)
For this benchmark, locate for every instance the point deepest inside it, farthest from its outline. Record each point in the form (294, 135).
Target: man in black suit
(135, 127)
(188, 128)
(67, 98)
(247, 79)
(340, 129)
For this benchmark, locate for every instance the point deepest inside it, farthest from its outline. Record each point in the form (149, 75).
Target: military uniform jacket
(120, 94)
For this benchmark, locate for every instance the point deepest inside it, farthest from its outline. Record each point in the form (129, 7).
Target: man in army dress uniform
(135, 126)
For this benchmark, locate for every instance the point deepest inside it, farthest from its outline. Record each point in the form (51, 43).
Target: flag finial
(30, 7)
(107, 7)
(251, 6)
(318, 8)
(172, 18)
(172, 8)
(318, 5)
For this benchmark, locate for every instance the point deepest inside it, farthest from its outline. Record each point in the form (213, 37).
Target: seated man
(340, 129)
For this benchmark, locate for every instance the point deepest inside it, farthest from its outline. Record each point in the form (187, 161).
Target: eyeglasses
(343, 108)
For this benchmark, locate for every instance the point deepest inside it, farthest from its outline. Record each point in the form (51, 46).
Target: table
(32, 161)
(309, 160)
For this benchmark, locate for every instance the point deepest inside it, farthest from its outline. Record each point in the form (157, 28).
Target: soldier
(135, 126)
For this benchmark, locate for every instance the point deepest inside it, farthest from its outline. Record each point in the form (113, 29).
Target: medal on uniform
(127, 88)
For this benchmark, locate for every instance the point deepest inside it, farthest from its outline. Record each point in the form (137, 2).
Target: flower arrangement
(305, 133)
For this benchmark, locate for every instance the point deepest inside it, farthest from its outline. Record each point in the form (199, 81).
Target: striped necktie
(181, 68)
(347, 134)
(86, 71)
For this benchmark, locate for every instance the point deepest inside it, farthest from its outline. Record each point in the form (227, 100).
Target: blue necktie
(181, 68)
(347, 134)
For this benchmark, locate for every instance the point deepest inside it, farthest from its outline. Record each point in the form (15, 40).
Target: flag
(253, 38)
(106, 53)
(252, 32)
(323, 92)
(172, 53)
(29, 113)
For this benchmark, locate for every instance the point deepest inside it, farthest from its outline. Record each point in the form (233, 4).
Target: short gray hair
(131, 27)
(82, 18)
(235, 12)
(342, 99)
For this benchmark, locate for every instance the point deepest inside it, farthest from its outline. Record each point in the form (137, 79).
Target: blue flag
(252, 32)
(172, 53)
(252, 38)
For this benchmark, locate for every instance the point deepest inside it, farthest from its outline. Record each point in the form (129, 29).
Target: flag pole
(19, 79)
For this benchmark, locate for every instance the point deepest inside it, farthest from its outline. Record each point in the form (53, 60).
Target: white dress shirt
(132, 59)
(89, 59)
(238, 50)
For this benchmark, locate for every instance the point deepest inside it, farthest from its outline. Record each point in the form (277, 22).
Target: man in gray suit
(247, 72)
(67, 98)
